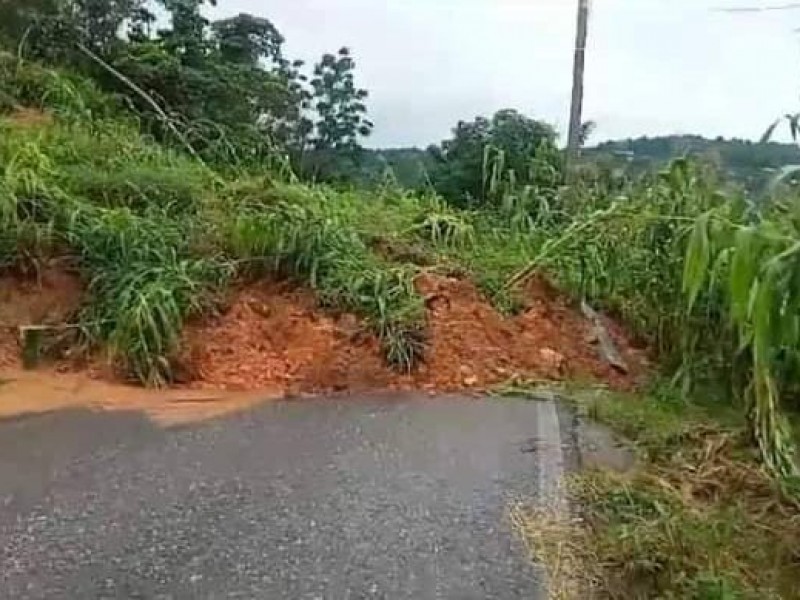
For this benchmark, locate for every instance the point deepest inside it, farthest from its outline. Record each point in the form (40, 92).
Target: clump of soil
(275, 335)
(272, 335)
(471, 344)
(51, 297)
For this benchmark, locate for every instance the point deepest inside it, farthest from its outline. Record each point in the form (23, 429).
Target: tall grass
(749, 262)
(711, 282)
(119, 207)
(625, 253)
(74, 98)
(314, 243)
(139, 310)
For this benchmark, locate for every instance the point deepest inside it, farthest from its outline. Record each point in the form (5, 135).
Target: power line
(757, 9)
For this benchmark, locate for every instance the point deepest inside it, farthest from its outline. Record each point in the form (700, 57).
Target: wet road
(381, 497)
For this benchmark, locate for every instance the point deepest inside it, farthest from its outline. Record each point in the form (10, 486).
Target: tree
(459, 171)
(226, 85)
(246, 39)
(334, 151)
(228, 81)
(339, 104)
(186, 39)
(50, 29)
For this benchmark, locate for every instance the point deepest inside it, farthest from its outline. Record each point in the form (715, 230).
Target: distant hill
(751, 164)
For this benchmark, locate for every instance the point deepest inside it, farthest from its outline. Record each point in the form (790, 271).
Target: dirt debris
(273, 340)
(274, 335)
(47, 389)
(547, 340)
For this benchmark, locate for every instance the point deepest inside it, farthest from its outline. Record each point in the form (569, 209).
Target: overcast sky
(653, 66)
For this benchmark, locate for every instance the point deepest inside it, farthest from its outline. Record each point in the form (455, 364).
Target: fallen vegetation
(698, 516)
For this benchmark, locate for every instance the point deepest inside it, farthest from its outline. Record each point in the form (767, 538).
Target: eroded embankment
(272, 340)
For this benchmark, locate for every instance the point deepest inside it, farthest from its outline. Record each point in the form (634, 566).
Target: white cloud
(654, 66)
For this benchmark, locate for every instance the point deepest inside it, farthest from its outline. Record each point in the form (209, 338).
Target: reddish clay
(274, 335)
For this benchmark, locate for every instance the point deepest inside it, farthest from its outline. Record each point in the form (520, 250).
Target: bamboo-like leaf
(698, 258)
(744, 267)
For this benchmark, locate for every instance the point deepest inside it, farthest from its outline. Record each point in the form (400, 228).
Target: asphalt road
(380, 497)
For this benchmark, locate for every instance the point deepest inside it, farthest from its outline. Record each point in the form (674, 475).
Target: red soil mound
(472, 344)
(274, 335)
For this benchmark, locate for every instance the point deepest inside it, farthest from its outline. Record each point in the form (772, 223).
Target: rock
(348, 326)
(552, 360)
(470, 381)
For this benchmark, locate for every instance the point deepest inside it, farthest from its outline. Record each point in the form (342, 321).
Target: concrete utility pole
(576, 110)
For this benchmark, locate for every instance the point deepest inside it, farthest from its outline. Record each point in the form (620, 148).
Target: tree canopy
(508, 140)
(228, 83)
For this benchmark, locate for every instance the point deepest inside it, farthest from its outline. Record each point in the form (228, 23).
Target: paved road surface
(381, 497)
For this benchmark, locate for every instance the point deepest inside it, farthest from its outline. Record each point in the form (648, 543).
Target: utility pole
(576, 109)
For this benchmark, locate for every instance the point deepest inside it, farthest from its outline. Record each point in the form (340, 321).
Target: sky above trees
(654, 66)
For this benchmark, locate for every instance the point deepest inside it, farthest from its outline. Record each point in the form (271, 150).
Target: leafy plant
(139, 310)
(443, 226)
(751, 265)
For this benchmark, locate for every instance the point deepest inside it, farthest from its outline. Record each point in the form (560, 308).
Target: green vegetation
(156, 240)
(225, 89)
(753, 165)
(697, 517)
(164, 165)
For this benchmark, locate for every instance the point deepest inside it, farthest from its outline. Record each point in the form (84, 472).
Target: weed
(697, 518)
(175, 190)
(139, 310)
(444, 226)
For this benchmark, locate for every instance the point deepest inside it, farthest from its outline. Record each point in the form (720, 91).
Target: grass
(140, 310)
(157, 236)
(698, 517)
(320, 245)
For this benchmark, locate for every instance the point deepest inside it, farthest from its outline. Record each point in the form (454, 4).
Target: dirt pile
(273, 335)
(472, 344)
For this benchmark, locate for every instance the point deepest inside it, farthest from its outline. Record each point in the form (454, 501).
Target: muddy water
(31, 392)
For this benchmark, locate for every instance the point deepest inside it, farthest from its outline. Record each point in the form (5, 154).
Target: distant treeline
(748, 163)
